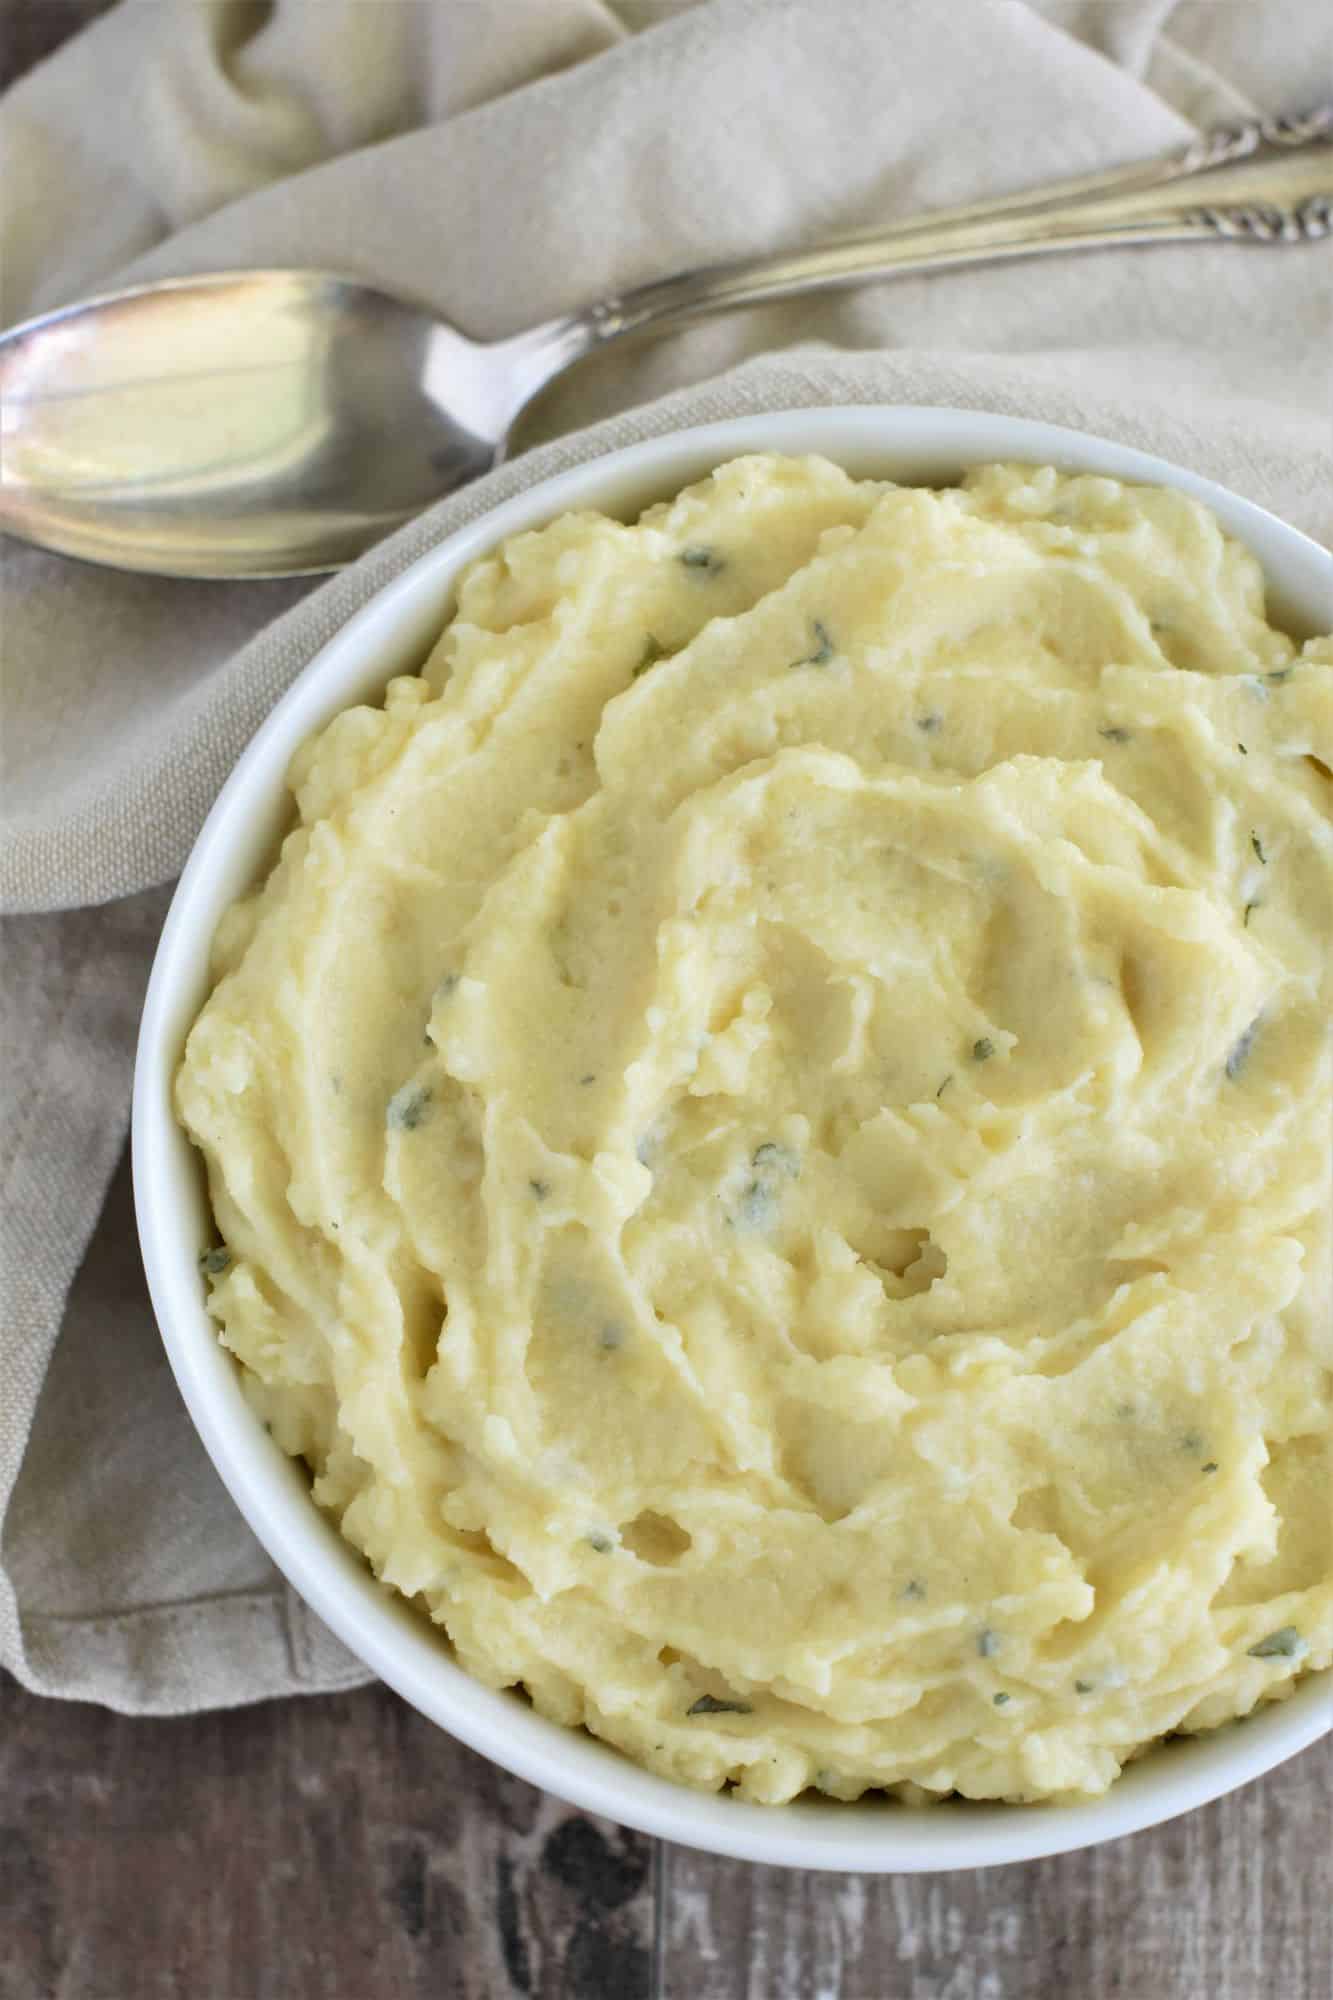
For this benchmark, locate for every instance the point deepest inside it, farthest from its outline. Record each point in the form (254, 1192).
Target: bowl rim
(381, 1629)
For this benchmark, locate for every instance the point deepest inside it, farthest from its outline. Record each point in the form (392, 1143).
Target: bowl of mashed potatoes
(732, 1137)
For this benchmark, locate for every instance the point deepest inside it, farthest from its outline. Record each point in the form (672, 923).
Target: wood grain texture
(327, 1849)
(1234, 1902)
(342, 1847)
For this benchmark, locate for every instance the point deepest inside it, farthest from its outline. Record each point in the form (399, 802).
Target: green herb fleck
(697, 556)
(1250, 908)
(653, 651)
(446, 985)
(914, 1588)
(1258, 847)
(1278, 676)
(983, 1050)
(1115, 734)
(1084, 1687)
(586, 1080)
(597, 1540)
(988, 1643)
(758, 1205)
(929, 725)
(708, 1704)
(540, 1189)
(408, 1107)
(824, 647)
(1243, 751)
(1210, 1467)
(945, 1085)
(1240, 1052)
(215, 1261)
(1284, 1644)
(1001, 1700)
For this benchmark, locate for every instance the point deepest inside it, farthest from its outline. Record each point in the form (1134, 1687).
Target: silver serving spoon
(274, 423)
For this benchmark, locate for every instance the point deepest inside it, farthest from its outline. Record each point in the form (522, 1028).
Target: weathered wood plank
(340, 1847)
(1234, 1902)
(321, 1849)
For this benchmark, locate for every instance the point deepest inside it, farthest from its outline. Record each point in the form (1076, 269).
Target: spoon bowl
(253, 423)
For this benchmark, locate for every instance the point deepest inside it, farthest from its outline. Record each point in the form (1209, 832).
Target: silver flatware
(275, 423)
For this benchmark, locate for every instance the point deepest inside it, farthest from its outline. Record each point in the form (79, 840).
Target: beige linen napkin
(508, 159)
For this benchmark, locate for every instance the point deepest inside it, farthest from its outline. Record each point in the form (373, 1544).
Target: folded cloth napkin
(508, 159)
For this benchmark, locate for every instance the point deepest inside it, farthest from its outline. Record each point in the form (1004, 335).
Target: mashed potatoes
(771, 1130)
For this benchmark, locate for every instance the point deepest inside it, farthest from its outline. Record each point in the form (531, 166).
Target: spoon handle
(1262, 182)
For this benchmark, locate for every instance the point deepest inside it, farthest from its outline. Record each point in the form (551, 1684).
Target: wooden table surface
(342, 1848)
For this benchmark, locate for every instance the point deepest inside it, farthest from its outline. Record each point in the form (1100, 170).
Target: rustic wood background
(344, 1849)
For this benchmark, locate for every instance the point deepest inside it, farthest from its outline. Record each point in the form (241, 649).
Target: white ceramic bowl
(391, 635)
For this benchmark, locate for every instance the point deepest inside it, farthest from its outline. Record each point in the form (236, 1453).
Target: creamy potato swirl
(770, 1127)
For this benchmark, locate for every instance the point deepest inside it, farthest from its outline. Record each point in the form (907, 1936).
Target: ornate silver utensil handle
(1264, 182)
